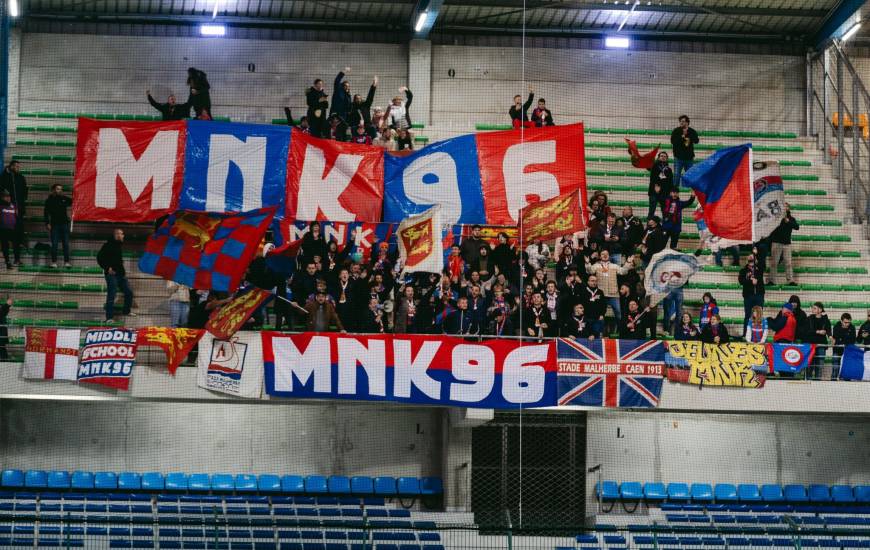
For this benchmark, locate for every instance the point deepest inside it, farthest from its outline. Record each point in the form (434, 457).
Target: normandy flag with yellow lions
(232, 316)
(420, 242)
(552, 218)
(176, 343)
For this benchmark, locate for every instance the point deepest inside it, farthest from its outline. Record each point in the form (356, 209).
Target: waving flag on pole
(723, 184)
(668, 270)
(419, 240)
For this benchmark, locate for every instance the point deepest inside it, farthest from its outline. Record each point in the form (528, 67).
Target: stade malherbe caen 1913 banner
(138, 171)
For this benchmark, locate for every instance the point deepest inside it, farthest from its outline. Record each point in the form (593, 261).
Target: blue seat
(701, 492)
(771, 493)
(748, 492)
(338, 485)
(153, 481)
(725, 492)
(795, 493)
(385, 485)
(105, 480)
(819, 493)
(129, 480)
(195, 482)
(608, 490)
(36, 478)
(58, 479)
(842, 493)
(315, 484)
(431, 486)
(862, 493)
(177, 481)
(631, 490)
(362, 485)
(292, 484)
(408, 486)
(678, 492)
(245, 483)
(269, 483)
(12, 478)
(653, 490)
(82, 480)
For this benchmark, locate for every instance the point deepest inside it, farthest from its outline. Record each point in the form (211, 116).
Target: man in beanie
(784, 324)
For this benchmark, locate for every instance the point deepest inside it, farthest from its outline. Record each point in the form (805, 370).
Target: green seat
(68, 305)
(417, 126)
(48, 287)
(25, 129)
(67, 173)
(850, 254)
(281, 121)
(421, 139)
(66, 115)
(24, 142)
(86, 115)
(27, 114)
(92, 288)
(493, 126)
(142, 117)
(7, 285)
(125, 117)
(25, 285)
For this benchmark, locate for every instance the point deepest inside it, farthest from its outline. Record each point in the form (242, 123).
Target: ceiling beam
(428, 10)
(837, 22)
(642, 7)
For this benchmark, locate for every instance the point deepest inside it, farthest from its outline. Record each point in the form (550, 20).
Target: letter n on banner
(339, 182)
(127, 171)
(518, 168)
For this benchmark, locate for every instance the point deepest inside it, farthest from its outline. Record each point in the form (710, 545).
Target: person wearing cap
(784, 324)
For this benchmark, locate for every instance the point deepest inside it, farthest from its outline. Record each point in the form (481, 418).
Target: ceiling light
(621, 42)
(212, 30)
(217, 5)
(851, 32)
(13, 8)
(420, 20)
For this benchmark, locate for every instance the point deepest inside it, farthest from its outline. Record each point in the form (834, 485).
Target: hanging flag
(232, 316)
(768, 197)
(419, 240)
(108, 357)
(205, 250)
(51, 354)
(553, 218)
(732, 364)
(668, 270)
(791, 358)
(610, 373)
(176, 343)
(723, 184)
(855, 364)
(233, 366)
(641, 161)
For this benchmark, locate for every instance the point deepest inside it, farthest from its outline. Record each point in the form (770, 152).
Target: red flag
(641, 161)
(552, 218)
(176, 343)
(227, 320)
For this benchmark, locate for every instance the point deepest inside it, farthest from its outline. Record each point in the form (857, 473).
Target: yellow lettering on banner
(721, 365)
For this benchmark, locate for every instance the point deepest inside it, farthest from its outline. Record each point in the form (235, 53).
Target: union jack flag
(610, 373)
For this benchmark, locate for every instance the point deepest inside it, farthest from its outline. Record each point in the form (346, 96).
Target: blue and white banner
(855, 364)
(233, 366)
(108, 357)
(791, 358)
(669, 270)
(232, 167)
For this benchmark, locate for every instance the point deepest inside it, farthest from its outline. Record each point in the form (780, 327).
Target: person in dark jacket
(751, 279)
(519, 111)
(661, 179)
(4, 333)
(800, 316)
(200, 94)
(470, 247)
(461, 322)
(503, 255)
(672, 218)
(633, 229)
(342, 99)
(111, 259)
(653, 241)
(818, 332)
(780, 247)
(16, 184)
(8, 234)
(843, 334)
(542, 116)
(864, 332)
(610, 236)
(318, 102)
(632, 325)
(683, 141)
(575, 326)
(171, 110)
(715, 332)
(361, 110)
(57, 222)
(313, 244)
(686, 329)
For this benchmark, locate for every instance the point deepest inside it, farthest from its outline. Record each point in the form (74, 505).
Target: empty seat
(12, 478)
(246, 483)
(431, 486)
(269, 483)
(176, 481)
(195, 482)
(315, 484)
(654, 491)
(153, 481)
(58, 479)
(725, 492)
(748, 492)
(292, 484)
(408, 486)
(842, 493)
(385, 485)
(338, 485)
(362, 485)
(819, 493)
(771, 493)
(795, 493)
(608, 490)
(862, 493)
(106, 481)
(82, 480)
(129, 481)
(702, 492)
(678, 492)
(219, 482)
(631, 490)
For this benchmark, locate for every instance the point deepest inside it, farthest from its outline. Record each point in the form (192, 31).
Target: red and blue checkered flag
(205, 250)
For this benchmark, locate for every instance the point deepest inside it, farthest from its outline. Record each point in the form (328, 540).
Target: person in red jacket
(784, 324)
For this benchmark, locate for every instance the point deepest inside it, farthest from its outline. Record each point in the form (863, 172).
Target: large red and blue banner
(420, 369)
(139, 171)
(610, 373)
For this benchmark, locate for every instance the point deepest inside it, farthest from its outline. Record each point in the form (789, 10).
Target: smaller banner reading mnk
(431, 370)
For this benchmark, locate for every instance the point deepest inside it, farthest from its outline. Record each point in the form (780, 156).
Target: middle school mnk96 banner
(138, 171)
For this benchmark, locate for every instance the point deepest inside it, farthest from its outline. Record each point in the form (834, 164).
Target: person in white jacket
(179, 304)
(539, 254)
(606, 271)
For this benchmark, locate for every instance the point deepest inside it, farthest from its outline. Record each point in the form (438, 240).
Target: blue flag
(855, 364)
(791, 358)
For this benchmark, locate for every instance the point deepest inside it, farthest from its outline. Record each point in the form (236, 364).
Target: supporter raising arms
(361, 109)
(200, 94)
(519, 111)
(341, 99)
(398, 114)
(318, 102)
(171, 110)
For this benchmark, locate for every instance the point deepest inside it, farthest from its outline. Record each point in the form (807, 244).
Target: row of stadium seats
(727, 492)
(249, 483)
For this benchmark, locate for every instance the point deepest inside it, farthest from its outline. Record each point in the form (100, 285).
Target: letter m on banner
(127, 171)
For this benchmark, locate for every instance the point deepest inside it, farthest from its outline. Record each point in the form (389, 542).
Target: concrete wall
(94, 73)
(221, 437)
